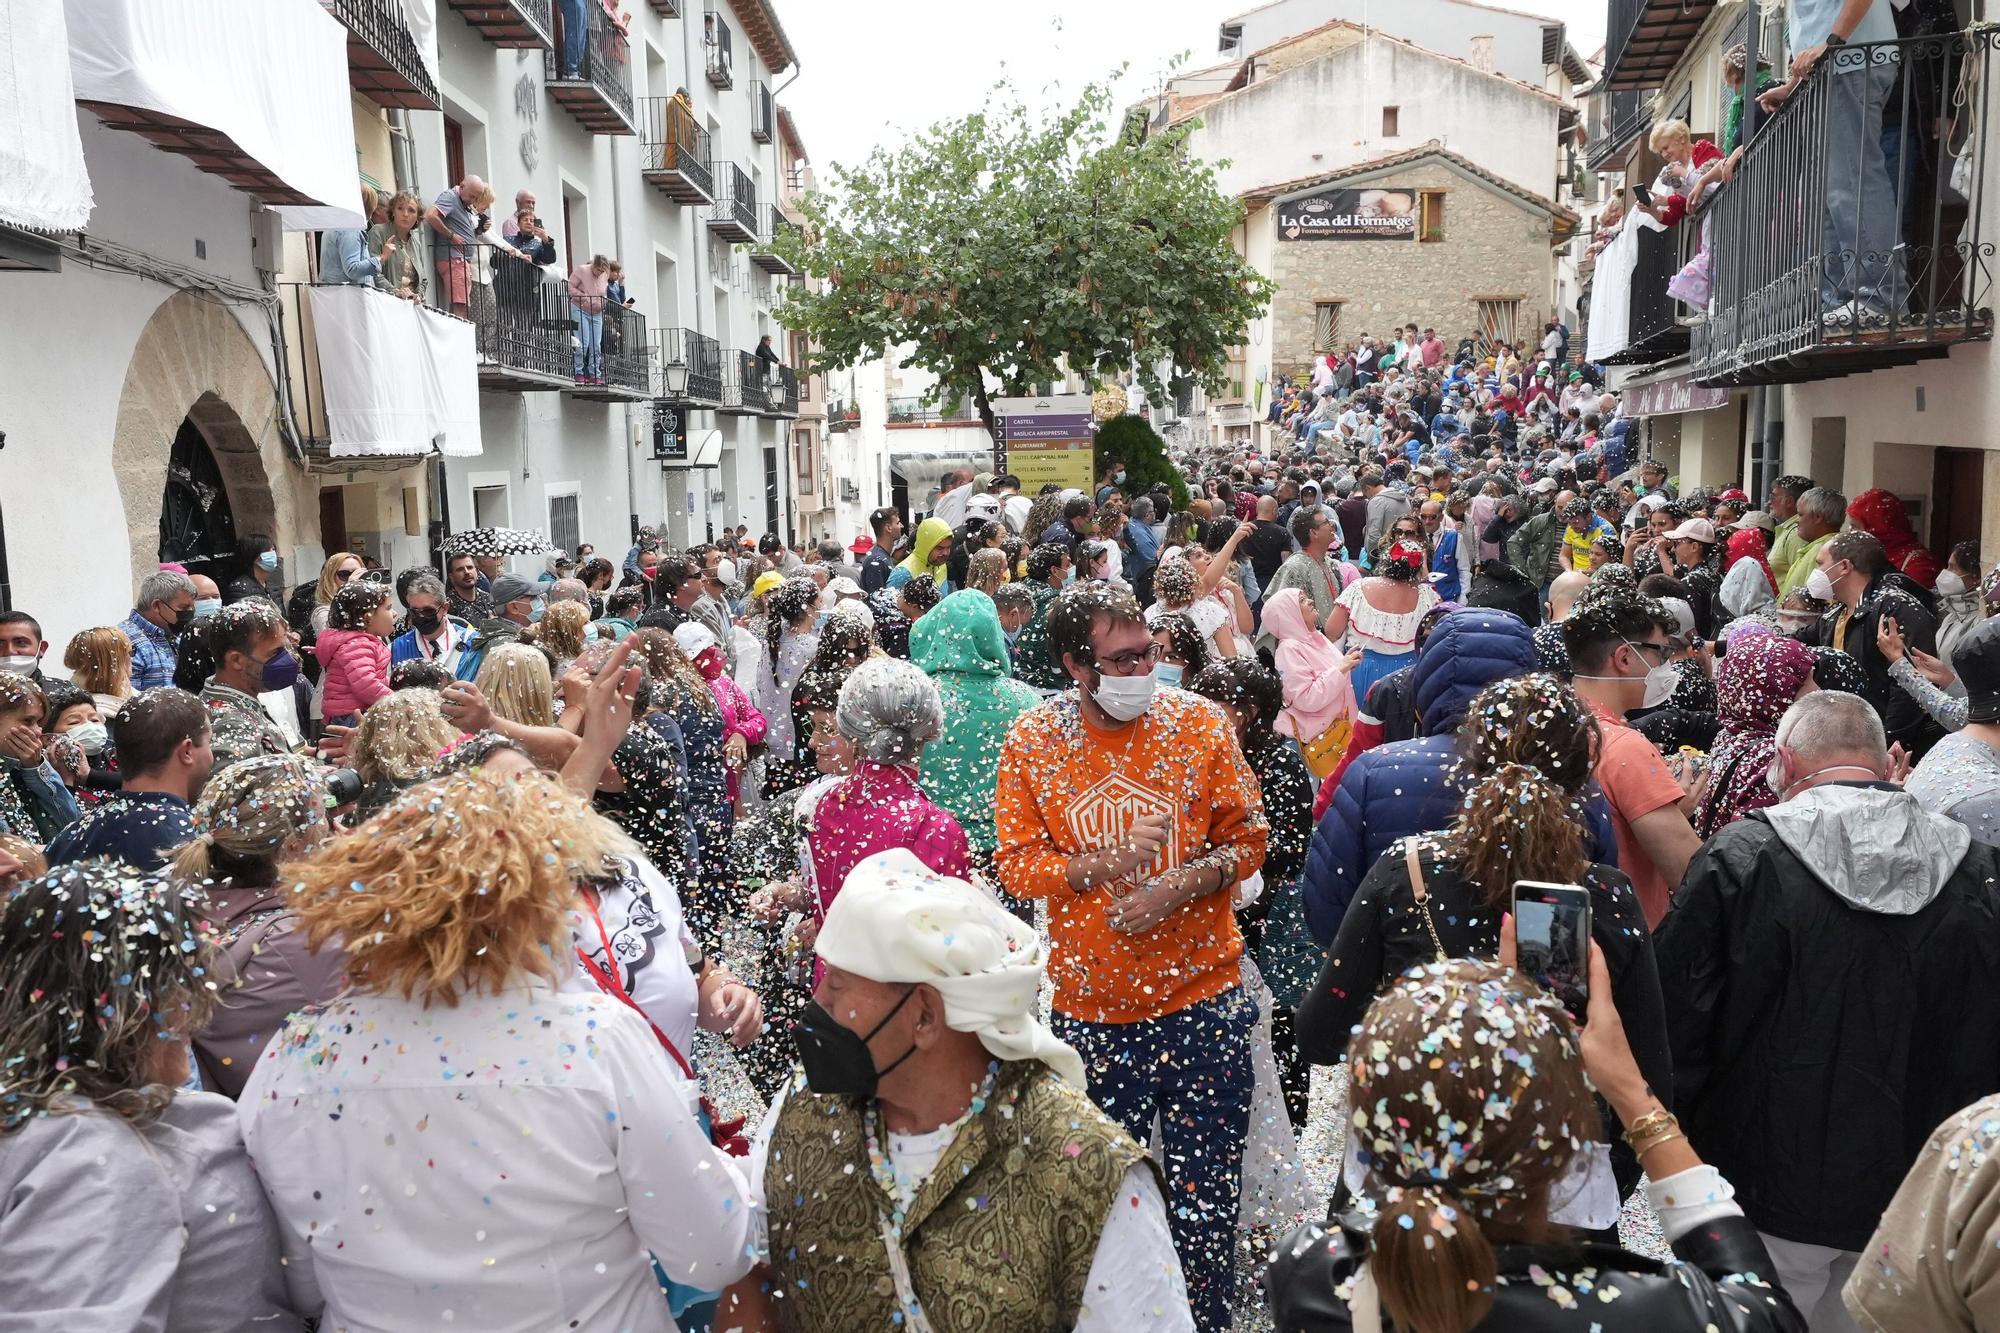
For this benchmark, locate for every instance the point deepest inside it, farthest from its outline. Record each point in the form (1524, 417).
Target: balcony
(525, 336)
(715, 40)
(382, 60)
(744, 392)
(593, 77)
(396, 385)
(1645, 39)
(763, 111)
(1615, 122)
(781, 392)
(520, 25)
(842, 416)
(1653, 328)
(1819, 272)
(666, 9)
(773, 224)
(920, 411)
(702, 355)
(625, 361)
(734, 217)
(674, 152)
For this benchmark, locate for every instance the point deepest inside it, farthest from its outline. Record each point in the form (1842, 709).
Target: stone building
(1471, 254)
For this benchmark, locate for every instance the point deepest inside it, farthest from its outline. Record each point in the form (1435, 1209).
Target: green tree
(1020, 247)
(1139, 447)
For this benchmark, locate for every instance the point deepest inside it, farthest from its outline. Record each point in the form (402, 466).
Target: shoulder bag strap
(1422, 896)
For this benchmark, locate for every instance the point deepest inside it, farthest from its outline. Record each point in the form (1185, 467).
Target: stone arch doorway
(198, 399)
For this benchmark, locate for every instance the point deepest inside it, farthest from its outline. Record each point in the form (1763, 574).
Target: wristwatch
(1834, 39)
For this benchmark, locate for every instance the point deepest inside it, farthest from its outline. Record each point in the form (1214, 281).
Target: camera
(343, 786)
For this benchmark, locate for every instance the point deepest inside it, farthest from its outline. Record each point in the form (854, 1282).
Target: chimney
(1482, 53)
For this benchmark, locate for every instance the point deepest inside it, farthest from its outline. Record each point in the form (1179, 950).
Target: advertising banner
(1349, 215)
(1047, 440)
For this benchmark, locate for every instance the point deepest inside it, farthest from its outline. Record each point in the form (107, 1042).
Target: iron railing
(701, 354)
(735, 203)
(526, 338)
(598, 60)
(763, 111)
(842, 416)
(744, 389)
(516, 24)
(715, 40)
(1645, 39)
(1615, 119)
(674, 151)
(383, 64)
(1828, 261)
(627, 359)
(781, 395)
(772, 224)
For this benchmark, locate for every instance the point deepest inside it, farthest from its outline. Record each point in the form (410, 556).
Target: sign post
(1046, 440)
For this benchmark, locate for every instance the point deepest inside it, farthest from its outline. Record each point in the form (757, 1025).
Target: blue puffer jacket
(1396, 790)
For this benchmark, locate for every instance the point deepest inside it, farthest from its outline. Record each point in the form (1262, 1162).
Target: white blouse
(506, 1165)
(1387, 632)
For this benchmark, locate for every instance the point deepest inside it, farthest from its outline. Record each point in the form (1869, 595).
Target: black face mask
(182, 619)
(836, 1059)
(426, 620)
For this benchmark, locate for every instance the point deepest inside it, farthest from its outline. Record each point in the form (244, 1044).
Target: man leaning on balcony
(344, 259)
(1861, 268)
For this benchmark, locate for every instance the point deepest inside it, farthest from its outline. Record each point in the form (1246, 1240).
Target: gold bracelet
(1659, 1142)
(1650, 1123)
(1640, 1142)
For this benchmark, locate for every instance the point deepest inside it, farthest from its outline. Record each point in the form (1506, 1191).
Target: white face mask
(1661, 682)
(19, 666)
(90, 737)
(1818, 586)
(1949, 584)
(1125, 698)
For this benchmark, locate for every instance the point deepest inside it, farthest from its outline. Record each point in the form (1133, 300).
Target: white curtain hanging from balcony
(396, 376)
(1610, 329)
(44, 185)
(420, 17)
(271, 75)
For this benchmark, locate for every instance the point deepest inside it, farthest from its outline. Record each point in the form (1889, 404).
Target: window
(454, 150)
(1389, 119)
(489, 506)
(1231, 39)
(1326, 326)
(1498, 318)
(565, 530)
(1430, 215)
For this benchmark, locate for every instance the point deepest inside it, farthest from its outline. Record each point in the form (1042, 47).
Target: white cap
(1694, 530)
(695, 638)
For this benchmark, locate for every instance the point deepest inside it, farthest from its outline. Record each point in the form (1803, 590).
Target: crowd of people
(942, 930)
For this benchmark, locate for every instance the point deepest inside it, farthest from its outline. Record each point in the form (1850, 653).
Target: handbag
(1423, 897)
(1324, 752)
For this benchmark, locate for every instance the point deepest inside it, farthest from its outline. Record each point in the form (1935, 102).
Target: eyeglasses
(1132, 663)
(1661, 648)
(345, 574)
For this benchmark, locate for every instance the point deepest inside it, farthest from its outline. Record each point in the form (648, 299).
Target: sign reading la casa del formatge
(1349, 215)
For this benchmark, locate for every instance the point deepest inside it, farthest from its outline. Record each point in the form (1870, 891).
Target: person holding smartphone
(1526, 757)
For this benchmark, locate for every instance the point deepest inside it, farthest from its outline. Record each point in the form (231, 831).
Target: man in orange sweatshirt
(1130, 809)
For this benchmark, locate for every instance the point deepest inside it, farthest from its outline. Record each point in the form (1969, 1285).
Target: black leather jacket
(1710, 1289)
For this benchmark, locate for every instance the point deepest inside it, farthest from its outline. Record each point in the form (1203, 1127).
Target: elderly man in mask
(943, 1167)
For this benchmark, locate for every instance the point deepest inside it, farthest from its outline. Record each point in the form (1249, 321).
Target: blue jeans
(1192, 1070)
(1863, 237)
(589, 342)
(575, 31)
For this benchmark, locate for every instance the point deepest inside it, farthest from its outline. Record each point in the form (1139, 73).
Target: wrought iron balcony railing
(1617, 117)
(716, 43)
(781, 391)
(525, 335)
(735, 214)
(1826, 259)
(763, 111)
(745, 391)
(514, 24)
(625, 360)
(701, 355)
(772, 224)
(590, 73)
(383, 64)
(674, 151)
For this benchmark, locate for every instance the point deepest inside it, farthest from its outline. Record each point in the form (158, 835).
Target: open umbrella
(497, 541)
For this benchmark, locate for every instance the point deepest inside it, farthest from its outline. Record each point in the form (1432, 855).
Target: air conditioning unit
(267, 241)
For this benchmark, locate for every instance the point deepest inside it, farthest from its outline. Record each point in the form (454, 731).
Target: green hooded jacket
(959, 644)
(929, 533)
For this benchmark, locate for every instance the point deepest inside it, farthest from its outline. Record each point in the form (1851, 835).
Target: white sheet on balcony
(43, 183)
(396, 376)
(1611, 289)
(420, 17)
(272, 75)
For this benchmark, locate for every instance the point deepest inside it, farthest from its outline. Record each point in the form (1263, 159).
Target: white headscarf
(898, 921)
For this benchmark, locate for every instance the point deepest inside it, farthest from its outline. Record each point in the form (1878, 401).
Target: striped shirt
(153, 657)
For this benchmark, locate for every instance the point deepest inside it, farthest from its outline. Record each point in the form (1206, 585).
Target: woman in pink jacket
(1319, 696)
(743, 723)
(353, 650)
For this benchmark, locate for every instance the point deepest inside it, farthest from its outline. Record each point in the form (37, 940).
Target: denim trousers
(575, 30)
(1191, 1069)
(1863, 232)
(589, 341)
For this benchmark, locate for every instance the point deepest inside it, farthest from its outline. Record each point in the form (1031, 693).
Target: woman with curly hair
(1526, 751)
(517, 682)
(458, 1079)
(560, 630)
(399, 743)
(126, 1201)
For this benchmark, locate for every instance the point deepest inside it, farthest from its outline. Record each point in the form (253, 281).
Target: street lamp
(676, 374)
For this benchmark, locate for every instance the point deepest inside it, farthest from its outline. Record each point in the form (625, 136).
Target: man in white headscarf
(942, 1167)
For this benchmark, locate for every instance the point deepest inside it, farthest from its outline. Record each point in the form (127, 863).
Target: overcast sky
(874, 70)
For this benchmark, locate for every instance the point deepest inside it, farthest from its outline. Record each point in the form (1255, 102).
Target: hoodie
(1318, 692)
(357, 670)
(959, 644)
(929, 533)
(1397, 790)
(1880, 513)
(1818, 967)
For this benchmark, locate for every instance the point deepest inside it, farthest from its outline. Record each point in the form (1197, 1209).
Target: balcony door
(1958, 484)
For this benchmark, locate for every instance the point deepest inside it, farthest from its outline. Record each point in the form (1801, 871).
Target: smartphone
(1642, 194)
(1552, 940)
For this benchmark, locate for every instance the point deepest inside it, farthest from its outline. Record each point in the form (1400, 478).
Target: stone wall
(1493, 246)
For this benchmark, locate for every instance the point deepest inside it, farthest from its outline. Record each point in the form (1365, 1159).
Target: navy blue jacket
(1400, 789)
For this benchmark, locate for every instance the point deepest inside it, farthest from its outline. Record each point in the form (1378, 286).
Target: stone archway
(195, 363)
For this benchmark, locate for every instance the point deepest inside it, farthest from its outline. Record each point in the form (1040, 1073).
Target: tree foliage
(1022, 247)
(1133, 442)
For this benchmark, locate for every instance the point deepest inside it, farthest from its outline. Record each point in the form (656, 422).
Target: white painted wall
(1442, 25)
(1327, 114)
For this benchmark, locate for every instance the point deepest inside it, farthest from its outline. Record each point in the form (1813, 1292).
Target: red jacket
(357, 670)
(1675, 207)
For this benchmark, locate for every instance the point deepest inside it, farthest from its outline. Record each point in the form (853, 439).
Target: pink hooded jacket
(1318, 691)
(357, 670)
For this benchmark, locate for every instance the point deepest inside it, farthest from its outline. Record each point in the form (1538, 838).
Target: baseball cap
(512, 588)
(768, 581)
(1545, 485)
(1757, 518)
(1694, 530)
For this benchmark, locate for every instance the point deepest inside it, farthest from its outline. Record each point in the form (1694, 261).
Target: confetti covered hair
(561, 628)
(516, 680)
(1174, 583)
(473, 752)
(354, 603)
(401, 737)
(1526, 749)
(99, 964)
(1400, 561)
(463, 885)
(1469, 1102)
(100, 660)
(1185, 641)
(673, 671)
(249, 813)
(890, 709)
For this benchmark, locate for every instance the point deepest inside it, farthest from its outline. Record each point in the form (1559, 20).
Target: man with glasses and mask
(930, 1084)
(1133, 814)
(251, 647)
(1618, 650)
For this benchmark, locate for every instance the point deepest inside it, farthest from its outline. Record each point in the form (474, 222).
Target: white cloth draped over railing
(1611, 288)
(272, 75)
(396, 377)
(44, 185)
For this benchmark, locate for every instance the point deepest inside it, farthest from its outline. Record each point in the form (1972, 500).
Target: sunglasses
(345, 574)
